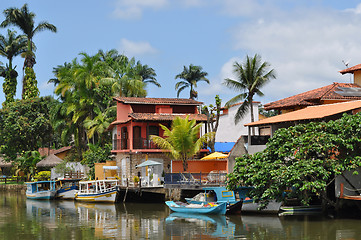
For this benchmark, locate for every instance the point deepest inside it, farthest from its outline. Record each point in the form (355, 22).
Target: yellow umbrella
(215, 155)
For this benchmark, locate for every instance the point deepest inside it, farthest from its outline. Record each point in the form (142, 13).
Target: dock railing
(194, 180)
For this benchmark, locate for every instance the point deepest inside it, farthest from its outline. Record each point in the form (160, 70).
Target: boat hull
(251, 207)
(66, 193)
(44, 195)
(219, 209)
(97, 197)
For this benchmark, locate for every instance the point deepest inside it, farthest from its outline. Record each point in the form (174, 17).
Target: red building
(137, 119)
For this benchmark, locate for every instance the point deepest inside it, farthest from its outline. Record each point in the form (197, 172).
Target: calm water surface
(29, 219)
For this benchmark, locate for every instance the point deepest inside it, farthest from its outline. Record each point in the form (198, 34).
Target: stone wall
(13, 187)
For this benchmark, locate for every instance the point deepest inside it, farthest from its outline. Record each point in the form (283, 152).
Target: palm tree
(252, 75)
(182, 140)
(191, 76)
(10, 47)
(24, 19)
(147, 74)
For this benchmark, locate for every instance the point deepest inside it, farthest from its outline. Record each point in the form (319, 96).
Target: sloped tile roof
(310, 113)
(351, 69)
(313, 97)
(157, 101)
(166, 117)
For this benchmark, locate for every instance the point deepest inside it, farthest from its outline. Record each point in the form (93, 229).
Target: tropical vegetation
(190, 77)
(182, 139)
(24, 20)
(305, 159)
(251, 75)
(213, 113)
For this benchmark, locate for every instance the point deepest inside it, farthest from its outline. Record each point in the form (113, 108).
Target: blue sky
(304, 41)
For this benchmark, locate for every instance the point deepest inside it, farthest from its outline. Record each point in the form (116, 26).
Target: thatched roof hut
(49, 161)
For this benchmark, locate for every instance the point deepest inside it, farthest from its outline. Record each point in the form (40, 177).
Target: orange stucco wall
(99, 172)
(123, 111)
(196, 166)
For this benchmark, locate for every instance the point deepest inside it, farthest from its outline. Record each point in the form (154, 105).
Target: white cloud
(131, 48)
(133, 9)
(306, 48)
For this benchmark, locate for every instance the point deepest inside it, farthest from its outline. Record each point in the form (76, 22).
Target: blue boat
(41, 190)
(219, 195)
(197, 208)
(66, 188)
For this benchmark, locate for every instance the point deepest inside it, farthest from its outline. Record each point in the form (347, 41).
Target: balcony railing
(138, 143)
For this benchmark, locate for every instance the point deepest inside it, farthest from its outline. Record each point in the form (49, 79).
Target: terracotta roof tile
(166, 117)
(313, 97)
(171, 101)
(309, 113)
(351, 69)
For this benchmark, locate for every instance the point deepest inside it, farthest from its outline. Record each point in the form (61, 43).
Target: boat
(66, 188)
(300, 210)
(97, 191)
(249, 206)
(218, 195)
(209, 208)
(41, 190)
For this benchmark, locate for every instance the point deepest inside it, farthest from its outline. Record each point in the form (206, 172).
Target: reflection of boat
(41, 190)
(218, 195)
(97, 191)
(66, 188)
(214, 219)
(300, 210)
(250, 206)
(197, 208)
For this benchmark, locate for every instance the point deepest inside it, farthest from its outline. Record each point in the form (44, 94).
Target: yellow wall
(99, 171)
(357, 77)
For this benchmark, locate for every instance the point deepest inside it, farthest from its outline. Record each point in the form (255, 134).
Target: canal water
(23, 219)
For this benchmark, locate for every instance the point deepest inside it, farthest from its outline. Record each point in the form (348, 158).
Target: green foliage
(304, 158)
(182, 139)
(96, 154)
(42, 176)
(213, 113)
(191, 76)
(25, 125)
(62, 168)
(252, 75)
(30, 89)
(26, 162)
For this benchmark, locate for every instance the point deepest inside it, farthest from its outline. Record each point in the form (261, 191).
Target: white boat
(97, 191)
(41, 190)
(66, 188)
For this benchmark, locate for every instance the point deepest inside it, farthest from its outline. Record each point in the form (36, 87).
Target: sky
(306, 42)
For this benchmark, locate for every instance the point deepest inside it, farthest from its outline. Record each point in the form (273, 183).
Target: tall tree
(147, 74)
(11, 46)
(251, 75)
(24, 19)
(182, 139)
(191, 76)
(213, 113)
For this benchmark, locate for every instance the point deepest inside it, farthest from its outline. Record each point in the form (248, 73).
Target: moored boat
(218, 195)
(209, 208)
(66, 188)
(43, 190)
(97, 191)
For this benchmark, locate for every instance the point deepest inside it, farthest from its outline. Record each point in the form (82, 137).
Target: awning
(110, 167)
(215, 155)
(148, 163)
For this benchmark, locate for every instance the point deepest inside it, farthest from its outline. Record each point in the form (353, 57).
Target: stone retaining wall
(13, 187)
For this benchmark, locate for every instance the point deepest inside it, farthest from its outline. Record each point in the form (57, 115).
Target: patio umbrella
(215, 155)
(148, 163)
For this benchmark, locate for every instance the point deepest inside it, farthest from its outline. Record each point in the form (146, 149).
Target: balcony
(138, 143)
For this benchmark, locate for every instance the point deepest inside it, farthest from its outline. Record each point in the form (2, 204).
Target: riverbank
(13, 187)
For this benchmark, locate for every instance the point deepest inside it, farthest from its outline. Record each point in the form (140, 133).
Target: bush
(42, 176)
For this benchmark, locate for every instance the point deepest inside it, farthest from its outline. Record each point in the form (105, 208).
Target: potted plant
(136, 180)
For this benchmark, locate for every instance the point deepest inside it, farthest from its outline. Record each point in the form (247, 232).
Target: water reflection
(30, 219)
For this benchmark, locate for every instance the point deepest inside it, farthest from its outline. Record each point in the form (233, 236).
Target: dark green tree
(251, 75)
(11, 46)
(191, 76)
(24, 19)
(305, 158)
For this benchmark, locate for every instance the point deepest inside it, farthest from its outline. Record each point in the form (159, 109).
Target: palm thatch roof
(49, 161)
